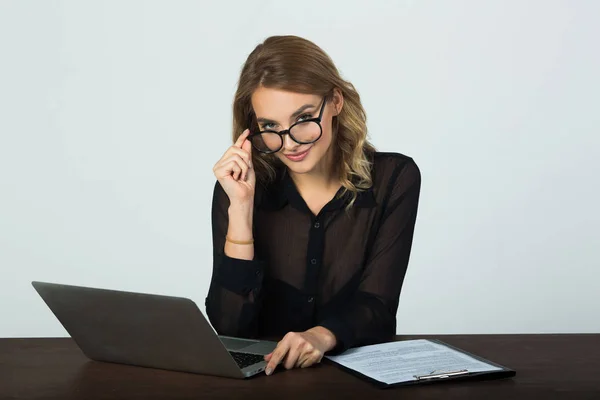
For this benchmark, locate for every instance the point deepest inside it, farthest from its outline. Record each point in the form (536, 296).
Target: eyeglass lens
(302, 133)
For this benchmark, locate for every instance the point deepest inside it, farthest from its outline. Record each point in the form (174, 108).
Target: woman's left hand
(301, 349)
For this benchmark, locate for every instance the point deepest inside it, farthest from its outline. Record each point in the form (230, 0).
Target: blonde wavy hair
(295, 64)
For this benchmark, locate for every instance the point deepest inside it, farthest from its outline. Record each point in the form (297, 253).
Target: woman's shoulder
(391, 172)
(388, 162)
(390, 157)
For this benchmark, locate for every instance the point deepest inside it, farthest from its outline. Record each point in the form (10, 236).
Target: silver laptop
(150, 331)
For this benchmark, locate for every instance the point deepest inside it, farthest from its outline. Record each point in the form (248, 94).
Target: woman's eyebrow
(294, 114)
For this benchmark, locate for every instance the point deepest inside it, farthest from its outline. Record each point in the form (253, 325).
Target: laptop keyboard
(244, 360)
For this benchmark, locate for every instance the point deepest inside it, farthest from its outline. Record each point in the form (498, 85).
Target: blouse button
(313, 261)
(317, 225)
(310, 299)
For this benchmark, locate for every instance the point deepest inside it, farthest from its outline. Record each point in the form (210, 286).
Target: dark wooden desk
(548, 367)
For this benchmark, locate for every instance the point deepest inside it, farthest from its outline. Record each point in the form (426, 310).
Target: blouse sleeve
(233, 298)
(370, 316)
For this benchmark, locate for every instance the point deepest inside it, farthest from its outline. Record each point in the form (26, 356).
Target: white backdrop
(112, 114)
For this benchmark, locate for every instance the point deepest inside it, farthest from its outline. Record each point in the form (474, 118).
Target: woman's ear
(337, 101)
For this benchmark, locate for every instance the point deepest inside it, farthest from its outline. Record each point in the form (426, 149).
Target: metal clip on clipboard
(441, 375)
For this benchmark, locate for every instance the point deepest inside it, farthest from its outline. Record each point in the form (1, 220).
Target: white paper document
(401, 361)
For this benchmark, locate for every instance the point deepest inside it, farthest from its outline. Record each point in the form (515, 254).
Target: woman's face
(277, 110)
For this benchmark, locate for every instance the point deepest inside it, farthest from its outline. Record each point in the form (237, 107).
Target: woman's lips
(297, 156)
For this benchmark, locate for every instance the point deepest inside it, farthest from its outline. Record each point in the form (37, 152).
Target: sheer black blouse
(341, 269)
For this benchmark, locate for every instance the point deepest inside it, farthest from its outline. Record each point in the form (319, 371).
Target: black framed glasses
(305, 131)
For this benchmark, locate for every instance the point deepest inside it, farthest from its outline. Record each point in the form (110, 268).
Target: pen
(433, 375)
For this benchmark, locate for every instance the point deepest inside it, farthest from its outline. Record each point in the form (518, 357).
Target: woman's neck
(314, 181)
(322, 177)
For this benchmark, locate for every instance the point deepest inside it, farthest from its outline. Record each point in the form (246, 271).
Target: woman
(312, 228)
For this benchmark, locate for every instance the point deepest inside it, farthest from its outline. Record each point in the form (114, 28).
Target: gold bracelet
(251, 241)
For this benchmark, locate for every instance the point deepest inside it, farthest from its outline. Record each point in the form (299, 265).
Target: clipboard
(439, 376)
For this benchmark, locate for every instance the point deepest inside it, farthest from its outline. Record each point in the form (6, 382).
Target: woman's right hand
(235, 171)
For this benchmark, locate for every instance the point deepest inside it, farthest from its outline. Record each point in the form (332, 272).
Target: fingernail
(268, 371)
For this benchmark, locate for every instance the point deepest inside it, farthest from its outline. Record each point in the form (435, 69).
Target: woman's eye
(304, 117)
(268, 126)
